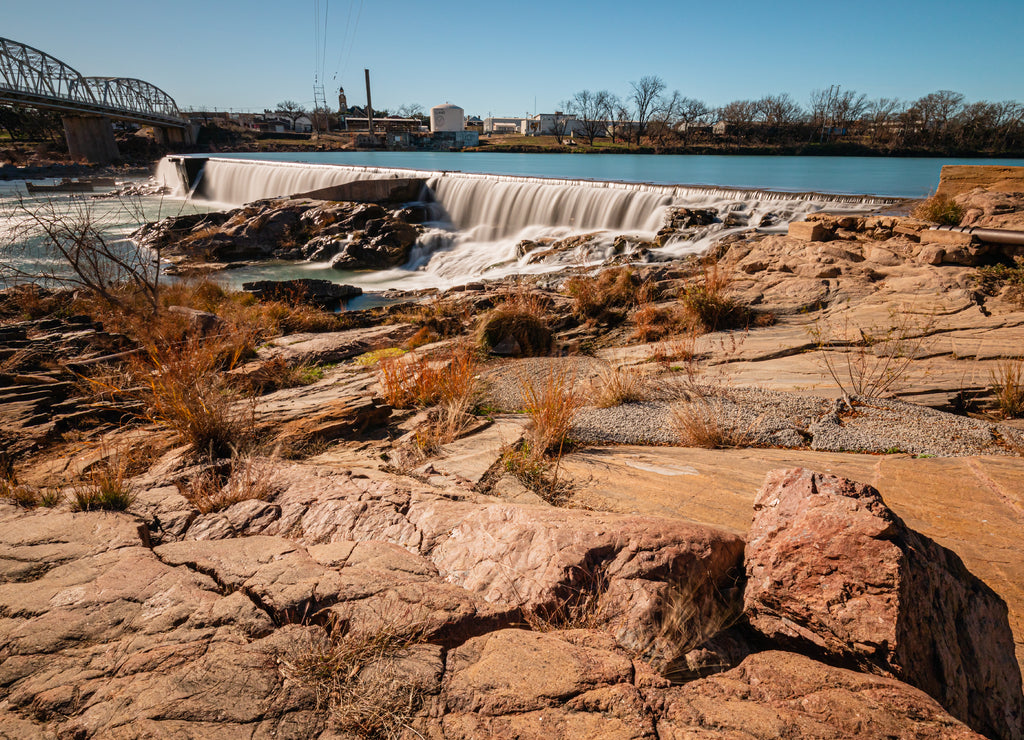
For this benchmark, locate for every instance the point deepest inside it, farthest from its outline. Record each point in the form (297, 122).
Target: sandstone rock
(783, 695)
(831, 569)
(512, 671)
(808, 231)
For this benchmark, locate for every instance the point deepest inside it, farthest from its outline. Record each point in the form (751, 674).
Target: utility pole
(369, 104)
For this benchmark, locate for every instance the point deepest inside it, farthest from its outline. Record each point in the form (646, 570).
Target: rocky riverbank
(785, 500)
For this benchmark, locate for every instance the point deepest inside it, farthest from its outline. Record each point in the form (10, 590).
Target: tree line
(941, 122)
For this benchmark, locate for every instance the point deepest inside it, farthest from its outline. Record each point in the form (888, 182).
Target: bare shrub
(1008, 387)
(358, 677)
(211, 490)
(616, 386)
(940, 209)
(877, 361)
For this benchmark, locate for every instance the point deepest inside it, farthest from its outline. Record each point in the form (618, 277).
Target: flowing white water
(483, 218)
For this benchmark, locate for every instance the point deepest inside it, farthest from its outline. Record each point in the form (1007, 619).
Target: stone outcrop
(833, 571)
(357, 235)
(321, 293)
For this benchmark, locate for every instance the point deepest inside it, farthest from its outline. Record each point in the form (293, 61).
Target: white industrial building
(447, 117)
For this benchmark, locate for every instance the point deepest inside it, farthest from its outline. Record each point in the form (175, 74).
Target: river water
(490, 203)
(885, 176)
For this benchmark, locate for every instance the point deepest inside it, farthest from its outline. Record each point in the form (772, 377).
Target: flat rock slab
(778, 694)
(471, 457)
(973, 505)
(327, 347)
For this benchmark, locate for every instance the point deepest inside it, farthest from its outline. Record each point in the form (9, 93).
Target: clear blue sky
(499, 57)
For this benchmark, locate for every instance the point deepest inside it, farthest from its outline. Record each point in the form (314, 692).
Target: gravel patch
(768, 418)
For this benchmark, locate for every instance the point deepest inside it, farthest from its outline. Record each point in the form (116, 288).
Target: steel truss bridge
(34, 78)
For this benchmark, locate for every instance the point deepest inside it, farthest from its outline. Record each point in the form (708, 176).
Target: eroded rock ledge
(164, 621)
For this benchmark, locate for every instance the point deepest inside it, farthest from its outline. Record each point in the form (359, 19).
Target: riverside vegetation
(475, 513)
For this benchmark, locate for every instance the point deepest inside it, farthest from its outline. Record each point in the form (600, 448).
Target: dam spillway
(481, 219)
(504, 204)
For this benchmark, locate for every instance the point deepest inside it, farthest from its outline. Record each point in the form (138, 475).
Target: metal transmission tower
(320, 108)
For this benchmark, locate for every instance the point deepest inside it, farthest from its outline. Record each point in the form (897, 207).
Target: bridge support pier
(91, 138)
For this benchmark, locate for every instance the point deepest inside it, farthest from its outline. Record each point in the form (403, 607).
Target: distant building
(502, 125)
(447, 117)
(303, 125)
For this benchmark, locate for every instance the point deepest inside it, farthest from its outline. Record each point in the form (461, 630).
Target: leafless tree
(691, 114)
(290, 110)
(74, 242)
(645, 101)
(410, 110)
(560, 122)
(593, 110)
(880, 118)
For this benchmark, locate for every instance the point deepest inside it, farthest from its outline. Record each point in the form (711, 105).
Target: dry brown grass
(605, 297)
(1008, 387)
(522, 318)
(618, 385)
(701, 422)
(185, 390)
(708, 306)
(248, 479)
(940, 209)
(424, 381)
(577, 607)
(18, 494)
(551, 403)
(358, 677)
(105, 486)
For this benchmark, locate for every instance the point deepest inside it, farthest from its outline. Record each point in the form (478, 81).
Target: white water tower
(447, 117)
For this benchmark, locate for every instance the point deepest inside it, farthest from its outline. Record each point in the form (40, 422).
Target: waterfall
(487, 216)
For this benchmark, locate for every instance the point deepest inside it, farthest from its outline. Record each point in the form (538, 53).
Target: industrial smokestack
(369, 103)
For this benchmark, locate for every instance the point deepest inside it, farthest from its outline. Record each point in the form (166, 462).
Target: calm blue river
(886, 176)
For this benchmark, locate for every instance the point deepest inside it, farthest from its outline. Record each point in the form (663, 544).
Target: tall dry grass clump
(518, 325)
(551, 402)
(708, 306)
(702, 421)
(940, 209)
(1008, 387)
(605, 297)
(185, 390)
(615, 386)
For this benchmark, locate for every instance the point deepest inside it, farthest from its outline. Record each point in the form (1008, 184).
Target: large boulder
(833, 571)
(384, 243)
